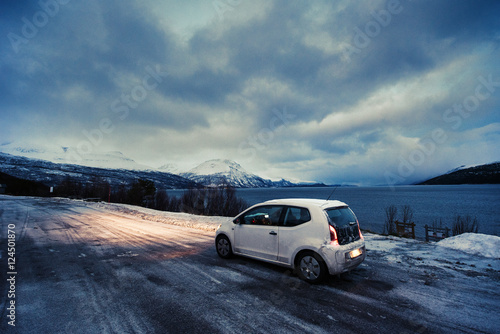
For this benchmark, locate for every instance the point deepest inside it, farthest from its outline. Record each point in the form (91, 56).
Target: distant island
(483, 174)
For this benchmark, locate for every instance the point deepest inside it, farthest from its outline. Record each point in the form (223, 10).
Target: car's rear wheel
(223, 246)
(311, 268)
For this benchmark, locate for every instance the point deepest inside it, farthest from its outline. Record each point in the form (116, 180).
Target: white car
(314, 237)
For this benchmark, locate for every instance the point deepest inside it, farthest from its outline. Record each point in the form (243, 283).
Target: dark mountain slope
(483, 174)
(52, 174)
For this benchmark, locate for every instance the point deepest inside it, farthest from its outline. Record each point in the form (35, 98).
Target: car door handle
(273, 233)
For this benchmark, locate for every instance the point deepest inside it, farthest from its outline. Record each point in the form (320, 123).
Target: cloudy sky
(364, 92)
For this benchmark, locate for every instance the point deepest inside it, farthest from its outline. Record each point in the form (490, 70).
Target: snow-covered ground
(474, 243)
(206, 223)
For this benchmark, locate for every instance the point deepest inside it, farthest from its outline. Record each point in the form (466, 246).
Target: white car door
(256, 234)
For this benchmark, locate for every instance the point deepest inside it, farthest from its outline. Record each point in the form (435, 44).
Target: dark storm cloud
(93, 60)
(133, 38)
(204, 85)
(71, 51)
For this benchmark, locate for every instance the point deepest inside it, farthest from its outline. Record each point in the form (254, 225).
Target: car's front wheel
(223, 246)
(311, 268)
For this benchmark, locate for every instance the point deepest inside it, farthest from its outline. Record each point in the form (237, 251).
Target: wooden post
(405, 230)
(434, 233)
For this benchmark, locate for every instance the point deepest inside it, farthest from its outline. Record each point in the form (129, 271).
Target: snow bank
(207, 223)
(474, 243)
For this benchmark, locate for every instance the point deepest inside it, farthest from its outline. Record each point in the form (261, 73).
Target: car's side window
(262, 215)
(295, 216)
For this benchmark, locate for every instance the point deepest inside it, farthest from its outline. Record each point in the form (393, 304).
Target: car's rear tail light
(333, 236)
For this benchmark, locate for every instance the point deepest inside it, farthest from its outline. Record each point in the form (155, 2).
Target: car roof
(306, 202)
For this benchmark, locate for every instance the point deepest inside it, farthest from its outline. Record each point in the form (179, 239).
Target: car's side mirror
(236, 221)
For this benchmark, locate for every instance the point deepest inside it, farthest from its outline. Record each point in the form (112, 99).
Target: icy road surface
(99, 268)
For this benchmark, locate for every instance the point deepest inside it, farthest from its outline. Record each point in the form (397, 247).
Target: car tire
(311, 268)
(223, 246)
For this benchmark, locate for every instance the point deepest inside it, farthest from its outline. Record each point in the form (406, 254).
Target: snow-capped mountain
(459, 168)
(219, 172)
(219, 166)
(52, 174)
(71, 155)
(50, 164)
(170, 168)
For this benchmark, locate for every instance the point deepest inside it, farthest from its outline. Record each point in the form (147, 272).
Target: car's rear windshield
(345, 223)
(341, 217)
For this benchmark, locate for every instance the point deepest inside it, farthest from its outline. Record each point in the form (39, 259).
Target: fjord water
(429, 203)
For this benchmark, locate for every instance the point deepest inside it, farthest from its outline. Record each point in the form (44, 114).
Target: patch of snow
(170, 168)
(216, 166)
(457, 169)
(462, 167)
(127, 254)
(474, 243)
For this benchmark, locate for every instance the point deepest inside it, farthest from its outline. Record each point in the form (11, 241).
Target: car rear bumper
(338, 258)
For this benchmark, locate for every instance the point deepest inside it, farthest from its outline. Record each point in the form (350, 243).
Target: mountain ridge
(479, 174)
(71, 155)
(50, 163)
(52, 174)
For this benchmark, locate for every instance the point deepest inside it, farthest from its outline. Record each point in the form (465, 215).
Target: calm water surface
(429, 203)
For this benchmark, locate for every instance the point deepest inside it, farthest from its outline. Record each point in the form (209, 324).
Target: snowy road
(94, 268)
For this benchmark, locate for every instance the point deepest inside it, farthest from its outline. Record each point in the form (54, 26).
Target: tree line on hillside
(12, 185)
(219, 201)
